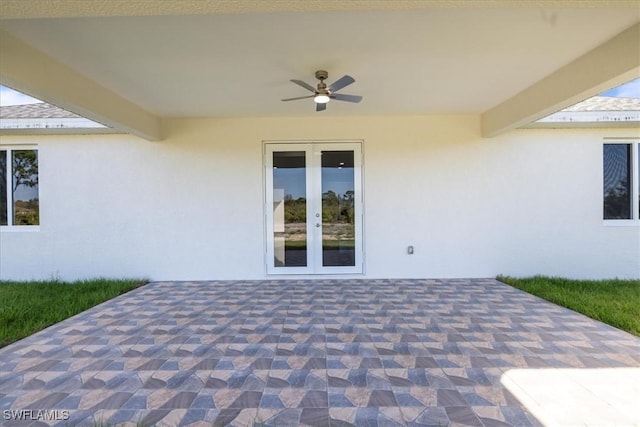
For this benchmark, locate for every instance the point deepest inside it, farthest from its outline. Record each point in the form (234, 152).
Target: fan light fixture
(321, 98)
(322, 93)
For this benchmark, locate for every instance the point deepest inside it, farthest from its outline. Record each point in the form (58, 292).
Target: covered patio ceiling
(130, 64)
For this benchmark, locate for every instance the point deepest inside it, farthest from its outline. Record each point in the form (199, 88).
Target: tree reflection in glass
(338, 214)
(26, 209)
(617, 181)
(289, 209)
(3, 189)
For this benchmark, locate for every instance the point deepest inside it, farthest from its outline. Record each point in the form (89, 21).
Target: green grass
(615, 302)
(27, 307)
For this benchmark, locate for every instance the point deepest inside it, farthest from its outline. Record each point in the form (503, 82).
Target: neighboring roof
(41, 110)
(45, 118)
(599, 111)
(606, 103)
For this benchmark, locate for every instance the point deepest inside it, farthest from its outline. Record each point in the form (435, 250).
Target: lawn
(27, 307)
(615, 302)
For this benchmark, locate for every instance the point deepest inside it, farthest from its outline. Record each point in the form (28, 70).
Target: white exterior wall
(191, 207)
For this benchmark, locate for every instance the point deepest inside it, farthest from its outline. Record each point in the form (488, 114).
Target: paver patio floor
(318, 352)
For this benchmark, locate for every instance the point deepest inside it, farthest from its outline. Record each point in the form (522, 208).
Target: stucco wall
(191, 207)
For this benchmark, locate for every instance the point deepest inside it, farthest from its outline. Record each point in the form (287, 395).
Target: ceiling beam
(28, 70)
(615, 62)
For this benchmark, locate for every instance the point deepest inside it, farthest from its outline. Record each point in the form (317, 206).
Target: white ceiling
(444, 60)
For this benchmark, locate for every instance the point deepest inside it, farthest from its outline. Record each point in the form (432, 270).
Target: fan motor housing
(321, 75)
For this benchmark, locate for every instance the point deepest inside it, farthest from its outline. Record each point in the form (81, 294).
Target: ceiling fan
(323, 93)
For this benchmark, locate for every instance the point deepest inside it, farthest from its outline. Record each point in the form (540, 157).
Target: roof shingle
(41, 110)
(606, 103)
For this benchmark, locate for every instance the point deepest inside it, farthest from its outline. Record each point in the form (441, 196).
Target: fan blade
(348, 98)
(340, 83)
(298, 97)
(321, 107)
(307, 86)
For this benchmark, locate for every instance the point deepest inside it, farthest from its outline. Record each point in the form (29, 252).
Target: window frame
(11, 226)
(634, 221)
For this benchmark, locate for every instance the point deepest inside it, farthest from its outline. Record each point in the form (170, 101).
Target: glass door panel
(338, 209)
(289, 209)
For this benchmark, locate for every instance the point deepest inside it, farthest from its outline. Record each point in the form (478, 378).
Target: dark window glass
(3, 188)
(26, 210)
(617, 181)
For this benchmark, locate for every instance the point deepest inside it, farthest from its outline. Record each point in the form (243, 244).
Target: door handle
(317, 224)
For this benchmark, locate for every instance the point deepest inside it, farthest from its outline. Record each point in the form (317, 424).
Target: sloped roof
(41, 110)
(43, 118)
(606, 103)
(599, 111)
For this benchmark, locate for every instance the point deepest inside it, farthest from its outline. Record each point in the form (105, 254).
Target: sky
(627, 90)
(9, 96)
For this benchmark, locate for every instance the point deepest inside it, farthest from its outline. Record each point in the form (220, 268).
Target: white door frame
(313, 186)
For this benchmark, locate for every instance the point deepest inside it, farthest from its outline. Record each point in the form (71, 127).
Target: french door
(313, 208)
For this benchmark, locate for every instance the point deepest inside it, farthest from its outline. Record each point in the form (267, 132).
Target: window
(620, 179)
(19, 200)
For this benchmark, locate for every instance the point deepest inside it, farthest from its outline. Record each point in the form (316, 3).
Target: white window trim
(635, 186)
(10, 227)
